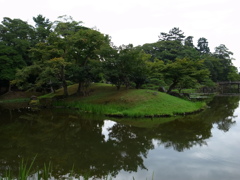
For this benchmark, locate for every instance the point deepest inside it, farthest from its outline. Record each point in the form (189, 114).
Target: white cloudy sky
(141, 21)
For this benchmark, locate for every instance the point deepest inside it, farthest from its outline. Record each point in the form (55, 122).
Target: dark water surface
(202, 146)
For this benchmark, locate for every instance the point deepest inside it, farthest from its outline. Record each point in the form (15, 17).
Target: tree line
(56, 54)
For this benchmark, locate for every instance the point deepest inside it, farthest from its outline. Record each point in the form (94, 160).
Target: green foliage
(128, 65)
(25, 169)
(203, 46)
(175, 34)
(45, 174)
(42, 28)
(185, 71)
(51, 54)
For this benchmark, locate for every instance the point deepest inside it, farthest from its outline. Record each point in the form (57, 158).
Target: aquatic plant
(24, 169)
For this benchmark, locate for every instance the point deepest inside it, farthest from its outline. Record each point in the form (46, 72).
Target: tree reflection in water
(70, 139)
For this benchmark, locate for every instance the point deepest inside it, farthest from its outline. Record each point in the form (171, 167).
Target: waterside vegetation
(26, 172)
(65, 54)
(105, 99)
(51, 55)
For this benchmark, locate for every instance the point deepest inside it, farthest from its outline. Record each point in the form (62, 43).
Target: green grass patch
(72, 89)
(19, 100)
(105, 99)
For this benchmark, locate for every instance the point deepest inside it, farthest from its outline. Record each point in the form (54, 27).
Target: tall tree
(10, 61)
(203, 46)
(127, 66)
(183, 69)
(85, 52)
(190, 51)
(42, 28)
(189, 41)
(224, 56)
(164, 50)
(175, 34)
(60, 41)
(15, 41)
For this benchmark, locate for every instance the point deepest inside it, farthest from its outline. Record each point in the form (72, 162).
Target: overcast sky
(141, 21)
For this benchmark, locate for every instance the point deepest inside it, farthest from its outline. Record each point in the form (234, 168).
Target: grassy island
(105, 99)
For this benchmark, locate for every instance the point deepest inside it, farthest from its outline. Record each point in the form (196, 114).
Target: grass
(46, 172)
(15, 100)
(71, 90)
(24, 169)
(105, 99)
(23, 173)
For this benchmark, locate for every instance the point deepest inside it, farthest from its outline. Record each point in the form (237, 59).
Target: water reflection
(106, 128)
(99, 148)
(190, 131)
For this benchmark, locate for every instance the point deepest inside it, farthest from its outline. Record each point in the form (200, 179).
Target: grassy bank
(105, 99)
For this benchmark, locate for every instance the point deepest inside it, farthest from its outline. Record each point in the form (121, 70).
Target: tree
(15, 41)
(175, 34)
(26, 77)
(85, 52)
(189, 41)
(10, 61)
(164, 50)
(169, 46)
(140, 71)
(67, 51)
(117, 67)
(190, 51)
(127, 66)
(40, 74)
(59, 69)
(47, 72)
(42, 28)
(203, 46)
(183, 69)
(17, 34)
(155, 76)
(214, 66)
(58, 44)
(224, 57)
(220, 64)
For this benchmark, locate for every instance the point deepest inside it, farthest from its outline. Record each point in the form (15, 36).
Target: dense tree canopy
(50, 55)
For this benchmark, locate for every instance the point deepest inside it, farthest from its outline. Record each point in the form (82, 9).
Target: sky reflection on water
(219, 159)
(201, 146)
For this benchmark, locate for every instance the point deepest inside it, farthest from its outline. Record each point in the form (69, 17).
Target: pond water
(201, 146)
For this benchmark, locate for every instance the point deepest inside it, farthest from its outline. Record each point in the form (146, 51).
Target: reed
(45, 174)
(24, 169)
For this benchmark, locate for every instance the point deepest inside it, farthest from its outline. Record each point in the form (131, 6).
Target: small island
(105, 99)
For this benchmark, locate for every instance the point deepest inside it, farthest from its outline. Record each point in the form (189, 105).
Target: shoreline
(106, 100)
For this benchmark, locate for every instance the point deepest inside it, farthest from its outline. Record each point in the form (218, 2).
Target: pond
(201, 146)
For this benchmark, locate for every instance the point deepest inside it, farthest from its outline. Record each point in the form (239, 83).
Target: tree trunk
(9, 86)
(82, 89)
(52, 90)
(138, 85)
(172, 86)
(79, 87)
(65, 89)
(64, 83)
(118, 85)
(51, 87)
